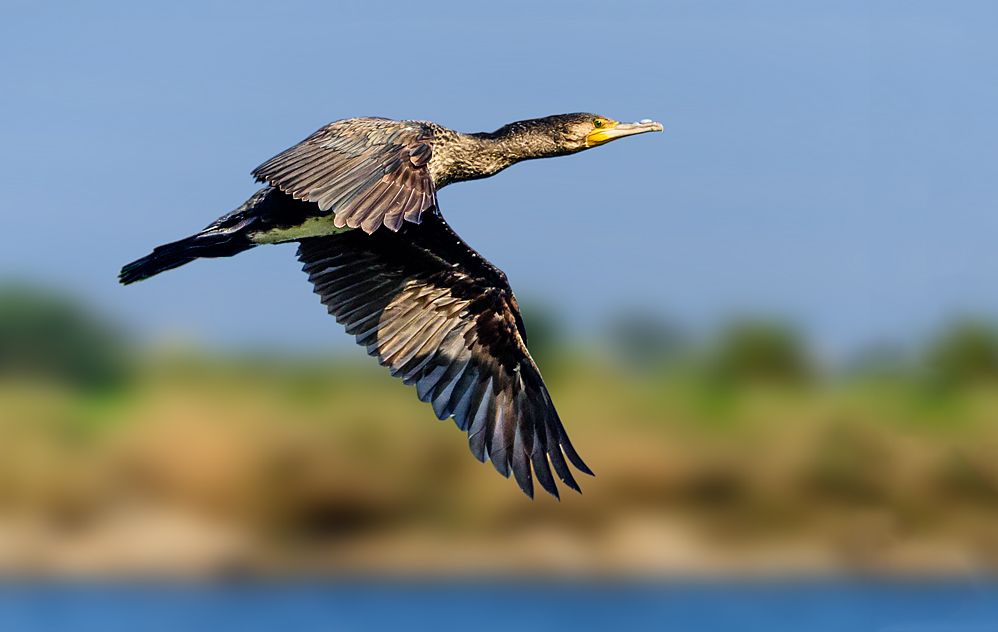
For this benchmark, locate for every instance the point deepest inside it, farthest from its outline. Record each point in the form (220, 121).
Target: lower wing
(443, 318)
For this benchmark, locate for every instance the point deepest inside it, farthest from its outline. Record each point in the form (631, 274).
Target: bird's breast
(316, 226)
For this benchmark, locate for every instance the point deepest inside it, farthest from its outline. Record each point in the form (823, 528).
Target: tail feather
(161, 259)
(178, 253)
(226, 236)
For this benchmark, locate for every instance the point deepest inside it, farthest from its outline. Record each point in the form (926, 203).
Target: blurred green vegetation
(645, 341)
(328, 463)
(965, 354)
(544, 329)
(751, 351)
(46, 335)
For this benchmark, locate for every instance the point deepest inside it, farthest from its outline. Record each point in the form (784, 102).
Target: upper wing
(369, 171)
(443, 318)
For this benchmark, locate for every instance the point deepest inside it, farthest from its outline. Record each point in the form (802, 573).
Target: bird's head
(568, 133)
(582, 131)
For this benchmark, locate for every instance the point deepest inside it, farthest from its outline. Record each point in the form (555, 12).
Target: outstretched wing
(368, 171)
(443, 318)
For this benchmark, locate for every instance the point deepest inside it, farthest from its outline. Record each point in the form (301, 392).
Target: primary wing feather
(443, 318)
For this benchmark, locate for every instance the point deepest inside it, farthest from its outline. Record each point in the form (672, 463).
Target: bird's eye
(598, 123)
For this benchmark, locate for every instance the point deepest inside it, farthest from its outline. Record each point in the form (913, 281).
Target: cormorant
(359, 195)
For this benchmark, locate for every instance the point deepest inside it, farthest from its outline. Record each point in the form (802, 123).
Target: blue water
(481, 605)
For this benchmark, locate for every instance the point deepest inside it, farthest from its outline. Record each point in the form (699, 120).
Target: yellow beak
(619, 130)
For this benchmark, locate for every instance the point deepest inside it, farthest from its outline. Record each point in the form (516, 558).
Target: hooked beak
(605, 135)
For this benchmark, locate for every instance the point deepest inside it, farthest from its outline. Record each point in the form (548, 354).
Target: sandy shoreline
(178, 544)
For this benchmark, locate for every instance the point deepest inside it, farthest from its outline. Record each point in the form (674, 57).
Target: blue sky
(832, 163)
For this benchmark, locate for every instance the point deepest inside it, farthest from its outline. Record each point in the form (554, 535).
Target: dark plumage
(359, 195)
(372, 170)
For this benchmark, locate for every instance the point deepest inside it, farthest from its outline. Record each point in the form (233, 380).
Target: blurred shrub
(644, 340)
(545, 331)
(964, 353)
(44, 334)
(879, 361)
(760, 351)
(848, 464)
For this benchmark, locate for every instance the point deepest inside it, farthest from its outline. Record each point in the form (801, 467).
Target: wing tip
(574, 457)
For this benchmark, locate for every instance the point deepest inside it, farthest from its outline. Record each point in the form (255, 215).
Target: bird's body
(359, 195)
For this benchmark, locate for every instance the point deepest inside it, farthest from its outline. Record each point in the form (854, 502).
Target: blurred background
(771, 331)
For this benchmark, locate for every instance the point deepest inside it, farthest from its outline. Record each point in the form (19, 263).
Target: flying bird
(359, 196)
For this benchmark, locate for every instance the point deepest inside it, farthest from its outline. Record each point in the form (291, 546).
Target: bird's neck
(474, 156)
